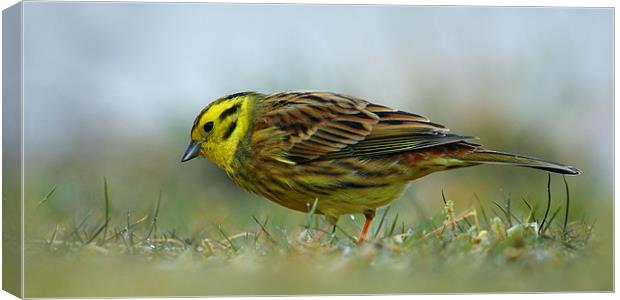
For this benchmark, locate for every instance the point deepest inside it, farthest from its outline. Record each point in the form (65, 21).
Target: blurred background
(111, 90)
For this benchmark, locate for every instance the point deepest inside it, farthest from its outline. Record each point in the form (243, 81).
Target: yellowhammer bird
(351, 155)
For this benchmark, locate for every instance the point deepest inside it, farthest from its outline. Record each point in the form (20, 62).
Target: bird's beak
(192, 151)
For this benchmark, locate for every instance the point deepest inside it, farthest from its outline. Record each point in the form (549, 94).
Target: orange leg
(323, 229)
(369, 215)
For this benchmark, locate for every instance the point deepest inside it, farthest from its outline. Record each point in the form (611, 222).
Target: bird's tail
(482, 156)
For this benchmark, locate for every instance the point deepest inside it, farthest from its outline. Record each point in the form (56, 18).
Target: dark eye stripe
(230, 129)
(229, 111)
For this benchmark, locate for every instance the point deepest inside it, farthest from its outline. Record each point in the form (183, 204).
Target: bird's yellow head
(220, 128)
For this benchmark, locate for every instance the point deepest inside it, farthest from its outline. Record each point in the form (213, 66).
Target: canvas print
(203, 149)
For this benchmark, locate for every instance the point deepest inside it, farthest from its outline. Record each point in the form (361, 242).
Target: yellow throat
(221, 128)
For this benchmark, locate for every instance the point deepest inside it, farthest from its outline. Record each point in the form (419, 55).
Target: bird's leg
(322, 230)
(369, 214)
(329, 222)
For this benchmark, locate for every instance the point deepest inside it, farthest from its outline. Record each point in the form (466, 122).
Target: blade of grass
(106, 199)
(221, 230)
(262, 226)
(467, 221)
(507, 205)
(47, 196)
(53, 237)
(497, 214)
(117, 232)
(311, 213)
(381, 221)
(532, 212)
(542, 224)
(315, 218)
(432, 222)
(482, 210)
(76, 229)
(124, 239)
(123, 230)
(508, 215)
(553, 215)
(153, 229)
(391, 232)
(564, 228)
(349, 236)
(97, 232)
(128, 232)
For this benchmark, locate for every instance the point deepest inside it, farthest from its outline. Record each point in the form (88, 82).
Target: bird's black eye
(208, 126)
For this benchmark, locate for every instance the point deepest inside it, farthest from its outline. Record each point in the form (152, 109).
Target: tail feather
(494, 157)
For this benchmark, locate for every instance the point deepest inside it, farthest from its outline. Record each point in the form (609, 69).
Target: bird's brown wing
(323, 126)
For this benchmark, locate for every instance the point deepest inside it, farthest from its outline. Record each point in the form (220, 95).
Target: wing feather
(321, 126)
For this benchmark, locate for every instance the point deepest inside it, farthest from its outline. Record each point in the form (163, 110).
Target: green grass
(510, 246)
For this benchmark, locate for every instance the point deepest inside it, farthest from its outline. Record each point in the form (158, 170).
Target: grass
(514, 248)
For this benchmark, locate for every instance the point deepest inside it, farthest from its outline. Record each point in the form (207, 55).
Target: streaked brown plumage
(352, 155)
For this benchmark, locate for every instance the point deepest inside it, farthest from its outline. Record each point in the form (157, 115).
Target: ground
(513, 246)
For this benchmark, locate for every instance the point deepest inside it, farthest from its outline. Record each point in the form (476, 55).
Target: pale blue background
(108, 84)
